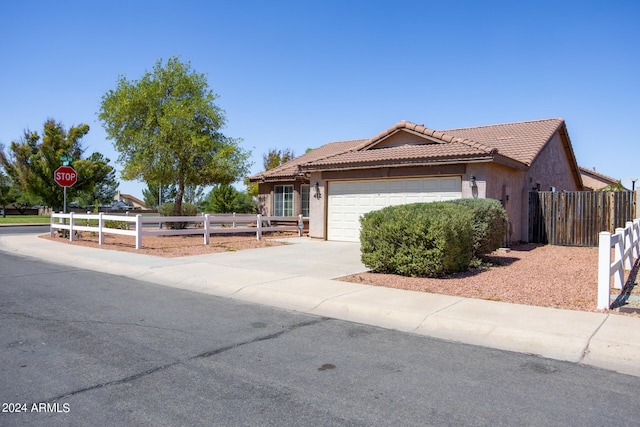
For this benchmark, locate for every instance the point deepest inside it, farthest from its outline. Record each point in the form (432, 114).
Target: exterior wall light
(472, 181)
(316, 189)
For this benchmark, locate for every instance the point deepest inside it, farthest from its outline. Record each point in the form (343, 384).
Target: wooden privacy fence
(626, 245)
(575, 218)
(205, 225)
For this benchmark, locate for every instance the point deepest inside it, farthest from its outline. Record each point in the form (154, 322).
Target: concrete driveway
(301, 256)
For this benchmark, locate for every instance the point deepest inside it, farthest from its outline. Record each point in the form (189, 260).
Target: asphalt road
(21, 229)
(94, 349)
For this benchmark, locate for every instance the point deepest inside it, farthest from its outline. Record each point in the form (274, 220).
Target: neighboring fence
(16, 211)
(626, 245)
(575, 218)
(205, 225)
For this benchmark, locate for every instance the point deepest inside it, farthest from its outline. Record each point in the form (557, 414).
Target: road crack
(203, 355)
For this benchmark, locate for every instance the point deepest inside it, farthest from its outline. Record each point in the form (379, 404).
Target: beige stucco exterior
(592, 180)
(496, 176)
(265, 196)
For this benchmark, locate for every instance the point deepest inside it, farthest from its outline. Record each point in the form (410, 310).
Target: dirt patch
(174, 246)
(542, 275)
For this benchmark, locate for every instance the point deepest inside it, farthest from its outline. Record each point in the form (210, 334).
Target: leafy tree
(224, 198)
(613, 187)
(6, 195)
(166, 128)
(276, 157)
(270, 160)
(193, 194)
(104, 180)
(31, 163)
(151, 195)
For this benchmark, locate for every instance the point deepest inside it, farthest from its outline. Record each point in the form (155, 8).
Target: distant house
(336, 183)
(592, 180)
(131, 201)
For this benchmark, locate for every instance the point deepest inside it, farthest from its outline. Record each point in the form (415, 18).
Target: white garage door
(348, 200)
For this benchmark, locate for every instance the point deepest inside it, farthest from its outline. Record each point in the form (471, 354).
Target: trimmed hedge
(489, 224)
(421, 239)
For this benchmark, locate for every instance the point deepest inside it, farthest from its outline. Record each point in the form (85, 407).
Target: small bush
(489, 224)
(422, 239)
(188, 209)
(119, 225)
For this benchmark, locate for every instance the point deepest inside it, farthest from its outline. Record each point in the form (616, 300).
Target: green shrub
(421, 239)
(119, 225)
(489, 224)
(188, 209)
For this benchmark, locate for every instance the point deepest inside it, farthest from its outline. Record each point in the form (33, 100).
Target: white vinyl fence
(139, 226)
(626, 250)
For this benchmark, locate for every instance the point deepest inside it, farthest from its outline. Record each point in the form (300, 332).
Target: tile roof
(593, 172)
(291, 169)
(402, 155)
(520, 142)
(443, 136)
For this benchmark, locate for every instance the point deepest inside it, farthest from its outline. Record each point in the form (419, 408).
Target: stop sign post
(65, 176)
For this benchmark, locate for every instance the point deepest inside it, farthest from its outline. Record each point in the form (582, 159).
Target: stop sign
(65, 176)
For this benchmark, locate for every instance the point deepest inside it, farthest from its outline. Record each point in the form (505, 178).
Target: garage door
(348, 200)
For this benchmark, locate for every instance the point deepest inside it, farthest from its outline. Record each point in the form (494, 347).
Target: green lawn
(25, 219)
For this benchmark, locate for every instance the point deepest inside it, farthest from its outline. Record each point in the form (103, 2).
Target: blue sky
(299, 74)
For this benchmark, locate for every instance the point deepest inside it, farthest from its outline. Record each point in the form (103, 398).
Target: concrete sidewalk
(298, 277)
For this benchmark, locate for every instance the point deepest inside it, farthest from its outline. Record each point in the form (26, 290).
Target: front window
(304, 192)
(283, 200)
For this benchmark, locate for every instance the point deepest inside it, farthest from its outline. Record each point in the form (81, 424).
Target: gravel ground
(548, 276)
(542, 275)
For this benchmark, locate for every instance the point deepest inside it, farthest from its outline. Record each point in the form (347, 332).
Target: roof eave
(509, 162)
(278, 178)
(397, 164)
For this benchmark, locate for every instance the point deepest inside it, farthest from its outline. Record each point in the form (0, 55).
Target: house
(336, 183)
(592, 180)
(130, 201)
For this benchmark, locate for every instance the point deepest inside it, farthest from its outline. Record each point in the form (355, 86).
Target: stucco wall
(317, 206)
(552, 169)
(401, 138)
(496, 181)
(593, 182)
(265, 197)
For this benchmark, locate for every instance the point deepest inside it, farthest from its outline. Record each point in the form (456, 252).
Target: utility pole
(633, 191)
